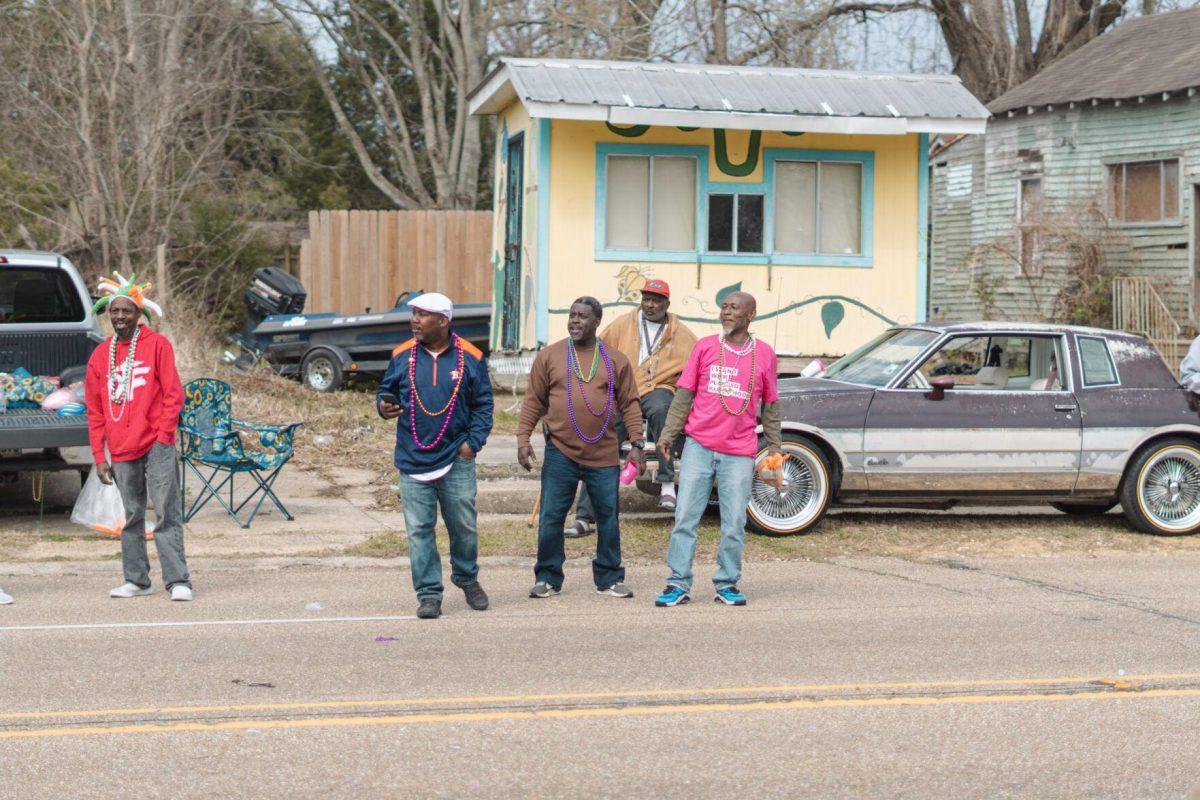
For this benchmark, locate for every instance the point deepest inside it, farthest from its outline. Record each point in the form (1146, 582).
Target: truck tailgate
(32, 427)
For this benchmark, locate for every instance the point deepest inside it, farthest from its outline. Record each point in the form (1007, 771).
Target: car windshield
(878, 361)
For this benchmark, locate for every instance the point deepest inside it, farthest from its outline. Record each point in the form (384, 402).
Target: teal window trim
(866, 230)
(923, 227)
(603, 151)
(706, 185)
(543, 233)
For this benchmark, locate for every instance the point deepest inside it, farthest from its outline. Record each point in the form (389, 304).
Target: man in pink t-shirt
(729, 381)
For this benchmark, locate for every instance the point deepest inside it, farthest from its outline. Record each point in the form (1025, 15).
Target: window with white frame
(818, 207)
(735, 223)
(650, 203)
(1029, 221)
(1144, 191)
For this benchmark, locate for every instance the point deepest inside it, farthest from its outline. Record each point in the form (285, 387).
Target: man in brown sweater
(657, 344)
(580, 387)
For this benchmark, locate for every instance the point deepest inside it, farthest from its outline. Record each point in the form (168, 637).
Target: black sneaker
(476, 597)
(430, 608)
(543, 589)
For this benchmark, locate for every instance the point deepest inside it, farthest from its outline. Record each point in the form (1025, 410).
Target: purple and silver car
(990, 413)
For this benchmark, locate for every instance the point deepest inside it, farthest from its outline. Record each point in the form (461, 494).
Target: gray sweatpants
(157, 472)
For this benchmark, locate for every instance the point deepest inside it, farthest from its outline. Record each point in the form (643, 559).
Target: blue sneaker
(730, 596)
(672, 596)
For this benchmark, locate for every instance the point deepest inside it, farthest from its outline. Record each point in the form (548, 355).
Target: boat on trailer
(327, 351)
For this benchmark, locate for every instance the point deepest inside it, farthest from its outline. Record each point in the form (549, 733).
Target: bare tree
(123, 111)
(412, 63)
(992, 42)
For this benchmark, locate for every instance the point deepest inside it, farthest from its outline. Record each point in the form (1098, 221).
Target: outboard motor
(272, 291)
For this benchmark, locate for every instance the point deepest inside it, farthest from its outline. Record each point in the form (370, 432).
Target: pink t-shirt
(709, 423)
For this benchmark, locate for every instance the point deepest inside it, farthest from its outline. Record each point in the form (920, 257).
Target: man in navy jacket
(438, 387)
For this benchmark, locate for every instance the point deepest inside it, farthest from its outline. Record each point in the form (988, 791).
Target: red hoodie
(150, 414)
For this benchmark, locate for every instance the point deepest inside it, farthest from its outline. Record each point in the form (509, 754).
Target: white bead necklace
(119, 384)
(745, 348)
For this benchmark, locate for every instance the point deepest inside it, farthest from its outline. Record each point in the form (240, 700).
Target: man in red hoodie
(133, 402)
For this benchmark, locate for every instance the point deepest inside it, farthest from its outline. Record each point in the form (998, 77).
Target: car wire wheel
(801, 500)
(1168, 489)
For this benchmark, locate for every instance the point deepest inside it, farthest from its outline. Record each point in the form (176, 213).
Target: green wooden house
(1092, 164)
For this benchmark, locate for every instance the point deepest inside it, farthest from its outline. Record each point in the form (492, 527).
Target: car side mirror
(938, 387)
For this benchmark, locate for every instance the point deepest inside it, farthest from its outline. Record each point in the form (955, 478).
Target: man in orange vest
(438, 389)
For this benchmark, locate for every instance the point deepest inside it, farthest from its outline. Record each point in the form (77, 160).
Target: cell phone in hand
(388, 397)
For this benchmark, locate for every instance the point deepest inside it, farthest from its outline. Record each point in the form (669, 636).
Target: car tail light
(3, 260)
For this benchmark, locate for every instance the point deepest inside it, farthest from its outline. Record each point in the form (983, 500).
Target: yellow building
(806, 188)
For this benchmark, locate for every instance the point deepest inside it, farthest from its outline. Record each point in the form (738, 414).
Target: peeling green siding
(1074, 147)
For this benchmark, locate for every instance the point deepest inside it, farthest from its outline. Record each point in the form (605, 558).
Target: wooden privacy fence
(354, 260)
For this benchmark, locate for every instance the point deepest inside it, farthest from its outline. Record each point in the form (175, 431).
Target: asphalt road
(1040, 678)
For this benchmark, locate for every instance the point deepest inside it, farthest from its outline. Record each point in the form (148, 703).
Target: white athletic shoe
(130, 590)
(5, 599)
(181, 593)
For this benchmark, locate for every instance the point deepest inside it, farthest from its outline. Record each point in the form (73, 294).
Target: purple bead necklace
(415, 399)
(609, 403)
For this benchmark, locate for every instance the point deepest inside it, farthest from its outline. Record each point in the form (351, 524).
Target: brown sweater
(546, 398)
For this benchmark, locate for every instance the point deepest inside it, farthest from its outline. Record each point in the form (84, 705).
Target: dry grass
(856, 534)
(359, 438)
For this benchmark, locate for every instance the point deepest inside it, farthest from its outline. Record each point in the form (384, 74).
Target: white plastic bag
(99, 507)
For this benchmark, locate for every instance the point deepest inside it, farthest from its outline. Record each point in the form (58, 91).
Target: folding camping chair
(210, 441)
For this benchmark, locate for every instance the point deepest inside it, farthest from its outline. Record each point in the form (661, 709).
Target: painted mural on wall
(720, 147)
(830, 307)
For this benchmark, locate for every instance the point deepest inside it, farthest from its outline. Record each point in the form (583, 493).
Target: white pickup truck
(47, 327)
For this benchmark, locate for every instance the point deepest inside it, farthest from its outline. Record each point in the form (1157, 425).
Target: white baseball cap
(434, 303)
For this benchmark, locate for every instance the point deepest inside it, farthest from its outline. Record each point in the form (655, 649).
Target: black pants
(655, 405)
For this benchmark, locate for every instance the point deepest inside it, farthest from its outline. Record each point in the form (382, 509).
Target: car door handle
(1067, 407)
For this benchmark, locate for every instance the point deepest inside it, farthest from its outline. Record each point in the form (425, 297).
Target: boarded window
(735, 223)
(818, 207)
(1029, 220)
(650, 203)
(1144, 191)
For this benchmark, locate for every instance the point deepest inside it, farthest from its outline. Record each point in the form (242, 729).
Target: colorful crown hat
(125, 287)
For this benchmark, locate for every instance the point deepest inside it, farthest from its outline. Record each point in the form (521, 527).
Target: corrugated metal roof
(770, 97)
(1145, 56)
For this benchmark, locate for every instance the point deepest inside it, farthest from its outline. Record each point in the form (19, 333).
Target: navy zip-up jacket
(436, 376)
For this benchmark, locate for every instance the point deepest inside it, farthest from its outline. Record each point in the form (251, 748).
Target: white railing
(1139, 308)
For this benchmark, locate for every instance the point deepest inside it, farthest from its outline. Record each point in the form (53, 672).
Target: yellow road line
(584, 713)
(1122, 682)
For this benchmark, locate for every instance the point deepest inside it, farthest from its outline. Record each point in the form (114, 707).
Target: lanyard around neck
(651, 344)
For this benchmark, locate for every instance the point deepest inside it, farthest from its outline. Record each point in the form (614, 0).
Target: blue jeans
(735, 475)
(455, 491)
(560, 476)
(655, 405)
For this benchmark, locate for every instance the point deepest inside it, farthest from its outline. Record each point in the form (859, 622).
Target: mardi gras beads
(609, 403)
(752, 349)
(415, 397)
(120, 385)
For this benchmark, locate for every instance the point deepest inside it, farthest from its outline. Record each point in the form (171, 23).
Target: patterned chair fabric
(210, 437)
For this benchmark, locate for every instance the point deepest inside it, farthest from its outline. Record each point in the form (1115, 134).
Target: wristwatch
(640, 444)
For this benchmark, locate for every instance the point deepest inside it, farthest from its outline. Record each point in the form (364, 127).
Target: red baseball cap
(657, 286)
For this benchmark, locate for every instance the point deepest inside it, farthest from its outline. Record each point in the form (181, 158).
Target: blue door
(510, 307)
